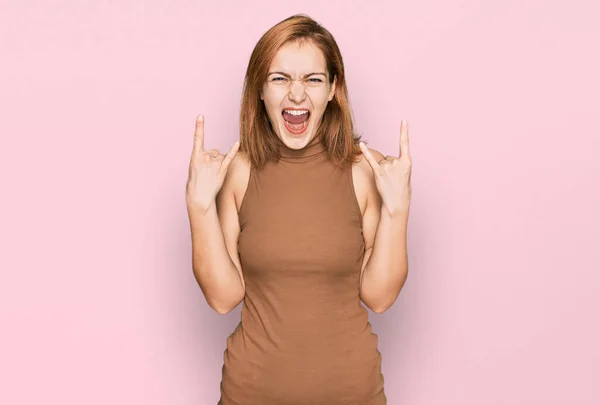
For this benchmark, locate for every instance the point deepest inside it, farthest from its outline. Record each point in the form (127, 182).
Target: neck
(313, 149)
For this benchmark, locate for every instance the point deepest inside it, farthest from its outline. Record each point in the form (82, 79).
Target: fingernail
(200, 118)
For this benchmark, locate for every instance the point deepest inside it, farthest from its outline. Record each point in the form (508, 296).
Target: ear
(332, 91)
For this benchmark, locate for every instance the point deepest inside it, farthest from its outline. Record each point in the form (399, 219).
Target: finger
(404, 147)
(199, 136)
(369, 157)
(213, 152)
(230, 155)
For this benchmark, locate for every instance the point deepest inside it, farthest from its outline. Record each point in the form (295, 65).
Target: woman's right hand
(207, 170)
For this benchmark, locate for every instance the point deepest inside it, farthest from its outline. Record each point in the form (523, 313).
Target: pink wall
(98, 304)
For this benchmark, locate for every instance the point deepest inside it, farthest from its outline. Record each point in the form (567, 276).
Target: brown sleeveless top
(304, 337)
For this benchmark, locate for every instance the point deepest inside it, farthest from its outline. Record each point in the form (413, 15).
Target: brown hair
(257, 137)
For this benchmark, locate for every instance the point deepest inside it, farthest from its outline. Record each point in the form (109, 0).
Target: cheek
(271, 100)
(272, 111)
(320, 98)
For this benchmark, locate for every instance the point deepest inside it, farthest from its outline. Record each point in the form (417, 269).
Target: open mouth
(296, 120)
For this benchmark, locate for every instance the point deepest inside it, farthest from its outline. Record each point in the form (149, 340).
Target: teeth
(295, 112)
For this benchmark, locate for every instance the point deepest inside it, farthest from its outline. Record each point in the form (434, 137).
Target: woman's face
(297, 80)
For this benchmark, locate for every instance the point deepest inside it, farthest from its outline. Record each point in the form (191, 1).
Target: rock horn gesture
(392, 176)
(207, 170)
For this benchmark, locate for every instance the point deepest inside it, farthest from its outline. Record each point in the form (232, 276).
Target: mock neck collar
(314, 150)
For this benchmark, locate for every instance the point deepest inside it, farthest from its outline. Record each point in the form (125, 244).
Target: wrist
(201, 209)
(400, 215)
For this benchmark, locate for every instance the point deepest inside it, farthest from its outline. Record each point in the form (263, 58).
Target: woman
(301, 224)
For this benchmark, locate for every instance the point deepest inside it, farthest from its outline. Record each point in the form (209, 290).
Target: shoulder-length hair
(257, 137)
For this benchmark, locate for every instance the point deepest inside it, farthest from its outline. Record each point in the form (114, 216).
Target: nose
(297, 92)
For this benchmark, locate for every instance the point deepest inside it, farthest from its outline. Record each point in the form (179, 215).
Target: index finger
(404, 147)
(199, 136)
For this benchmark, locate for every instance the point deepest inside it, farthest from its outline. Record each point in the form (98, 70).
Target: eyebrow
(306, 75)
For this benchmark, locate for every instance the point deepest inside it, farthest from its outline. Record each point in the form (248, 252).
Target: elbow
(379, 310)
(223, 308)
(382, 302)
(381, 298)
(222, 298)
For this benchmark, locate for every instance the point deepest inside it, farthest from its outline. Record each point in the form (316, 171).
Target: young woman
(300, 221)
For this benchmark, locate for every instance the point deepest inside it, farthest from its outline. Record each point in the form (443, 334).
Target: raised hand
(392, 176)
(207, 170)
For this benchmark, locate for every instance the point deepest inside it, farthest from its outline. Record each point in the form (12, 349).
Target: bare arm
(211, 211)
(385, 265)
(219, 278)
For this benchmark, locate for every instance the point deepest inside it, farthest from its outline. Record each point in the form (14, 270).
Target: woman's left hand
(392, 176)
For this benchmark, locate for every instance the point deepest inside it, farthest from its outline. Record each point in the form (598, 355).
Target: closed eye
(312, 79)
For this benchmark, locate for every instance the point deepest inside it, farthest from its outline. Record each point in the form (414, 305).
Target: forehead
(295, 58)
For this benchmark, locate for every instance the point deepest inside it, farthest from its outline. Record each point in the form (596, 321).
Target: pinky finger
(369, 157)
(230, 155)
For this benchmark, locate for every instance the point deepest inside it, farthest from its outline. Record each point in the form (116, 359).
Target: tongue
(295, 119)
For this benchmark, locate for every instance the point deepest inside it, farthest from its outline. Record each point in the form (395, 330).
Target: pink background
(98, 304)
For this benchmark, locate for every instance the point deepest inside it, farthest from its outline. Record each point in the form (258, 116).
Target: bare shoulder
(228, 202)
(364, 182)
(238, 175)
